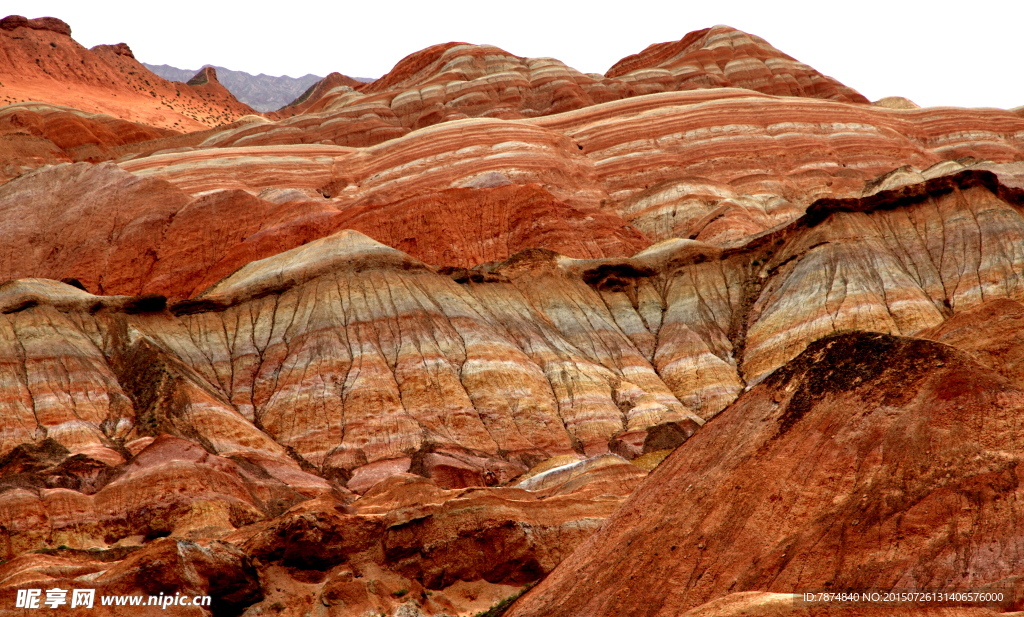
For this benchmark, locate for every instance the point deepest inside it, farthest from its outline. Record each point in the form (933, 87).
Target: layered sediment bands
(648, 152)
(860, 464)
(417, 357)
(145, 235)
(725, 57)
(405, 350)
(158, 240)
(460, 228)
(901, 278)
(198, 171)
(537, 355)
(45, 64)
(314, 93)
(45, 213)
(467, 153)
(397, 367)
(33, 134)
(715, 165)
(457, 80)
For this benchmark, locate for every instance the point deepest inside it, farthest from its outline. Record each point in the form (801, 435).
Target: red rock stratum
(868, 462)
(405, 347)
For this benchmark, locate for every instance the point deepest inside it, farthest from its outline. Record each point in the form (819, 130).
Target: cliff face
(407, 350)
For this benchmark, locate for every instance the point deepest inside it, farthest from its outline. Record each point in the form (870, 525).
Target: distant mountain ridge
(261, 92)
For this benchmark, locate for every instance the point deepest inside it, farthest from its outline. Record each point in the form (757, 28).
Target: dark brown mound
(869, 461)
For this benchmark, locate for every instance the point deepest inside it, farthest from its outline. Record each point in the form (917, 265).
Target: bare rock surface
(403, 347)
(42, 63)
(860, 463)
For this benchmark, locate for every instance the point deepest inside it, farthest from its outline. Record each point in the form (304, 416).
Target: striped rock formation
(723, 57)
(34, 134)
(671, 165)
(458, 80)
(404, 346)
(151, 237)
(868, 462)
(496, 368)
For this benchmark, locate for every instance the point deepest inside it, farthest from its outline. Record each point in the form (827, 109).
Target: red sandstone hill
(36, 134)
(725, 57)
(481, 80)
(314, 93)
(403, 352)
(42, 63)
(868, 462)
(458, 80)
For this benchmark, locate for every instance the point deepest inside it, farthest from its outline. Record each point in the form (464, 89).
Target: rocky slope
(36, 134)
(597, 350)
(868, 462)
(725, 57)
(470, 377)
(671, 165)
(42, 63)
(458, 80)
(406, 349)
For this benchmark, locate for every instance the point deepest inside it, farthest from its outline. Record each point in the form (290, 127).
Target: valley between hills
(491, 336)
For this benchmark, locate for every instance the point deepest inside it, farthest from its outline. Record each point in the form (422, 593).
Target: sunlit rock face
(725, 57)
(397, 363)
(36, 134)
(44, 64)
(403, 347)
(809, 479)
(677, 164)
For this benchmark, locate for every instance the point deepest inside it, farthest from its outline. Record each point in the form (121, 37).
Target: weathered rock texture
(868, 462)
(519, 360)
(405, 349)
(459, 80)
(722, 57)
(468, 377)
(176, 519)
(672, 165)
(151, 237)
(33, 135)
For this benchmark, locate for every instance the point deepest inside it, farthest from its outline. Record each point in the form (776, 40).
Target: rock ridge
(52, 24)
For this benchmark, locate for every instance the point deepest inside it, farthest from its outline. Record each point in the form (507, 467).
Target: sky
(921, 50)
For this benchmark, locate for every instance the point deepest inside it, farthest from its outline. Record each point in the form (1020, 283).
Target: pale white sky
(933, 52)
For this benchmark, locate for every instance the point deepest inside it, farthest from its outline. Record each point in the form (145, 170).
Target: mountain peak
(206, 75)
(118, 49)
(52, 24)
(722, 56)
